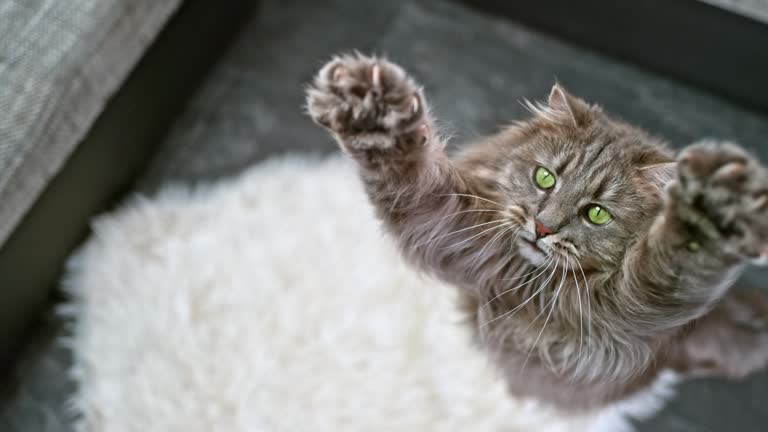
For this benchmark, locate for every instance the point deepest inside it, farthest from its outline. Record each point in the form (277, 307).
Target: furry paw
(722, 194)
(732, 340)
(369, 103)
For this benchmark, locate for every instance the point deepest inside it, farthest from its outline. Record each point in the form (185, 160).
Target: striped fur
(592, 314)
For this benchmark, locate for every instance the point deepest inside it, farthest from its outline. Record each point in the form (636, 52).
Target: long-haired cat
(588, 257)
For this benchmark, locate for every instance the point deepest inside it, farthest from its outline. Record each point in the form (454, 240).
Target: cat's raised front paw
(722, 193)
(370, 103)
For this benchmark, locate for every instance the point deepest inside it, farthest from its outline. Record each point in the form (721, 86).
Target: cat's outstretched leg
(729, 341)
(379, 116)
(714, 222)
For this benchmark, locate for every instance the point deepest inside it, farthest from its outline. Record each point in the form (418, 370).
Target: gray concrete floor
(476, 69)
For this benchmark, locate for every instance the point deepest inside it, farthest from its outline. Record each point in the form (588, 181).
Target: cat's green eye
(598, 215)
(544, 178)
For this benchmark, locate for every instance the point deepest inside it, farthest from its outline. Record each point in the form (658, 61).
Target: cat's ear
(568, 108)
(658, 175)
(564, 109)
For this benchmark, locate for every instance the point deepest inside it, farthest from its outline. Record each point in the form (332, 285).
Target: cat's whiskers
(473, 211)
(549, 258)
(549, 315)
(473, 196)
(589, 310)
(478, 234)
(549, 261)
(489, 243)
(543, 308)
(581, 326)
(580, 353)
(512, 311)
(459, 231)
(565, 248)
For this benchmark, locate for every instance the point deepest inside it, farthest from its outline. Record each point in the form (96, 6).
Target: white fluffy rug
(272, 302)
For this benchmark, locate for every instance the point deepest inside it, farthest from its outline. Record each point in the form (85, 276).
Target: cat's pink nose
(541, 229)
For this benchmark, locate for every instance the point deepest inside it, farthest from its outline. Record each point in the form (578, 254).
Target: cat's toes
(722, 191)
(700, 161)
(355, 95)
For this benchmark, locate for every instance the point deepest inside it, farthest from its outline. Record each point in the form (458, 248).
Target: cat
(588, 257)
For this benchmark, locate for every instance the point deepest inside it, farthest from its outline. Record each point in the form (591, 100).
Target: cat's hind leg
(730, 341)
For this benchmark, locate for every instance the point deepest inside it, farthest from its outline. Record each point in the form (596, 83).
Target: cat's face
(581, 186)
(577, 203)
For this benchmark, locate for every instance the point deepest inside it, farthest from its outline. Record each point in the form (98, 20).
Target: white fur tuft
(271, 302)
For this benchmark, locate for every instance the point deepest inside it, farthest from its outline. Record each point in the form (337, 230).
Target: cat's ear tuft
(659, 175)
(562, 108)
(558, 98)
(568, 108)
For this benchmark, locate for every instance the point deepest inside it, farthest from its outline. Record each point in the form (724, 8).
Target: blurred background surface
(245, 105)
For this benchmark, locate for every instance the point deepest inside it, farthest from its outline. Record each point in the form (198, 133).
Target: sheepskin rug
(272, 302)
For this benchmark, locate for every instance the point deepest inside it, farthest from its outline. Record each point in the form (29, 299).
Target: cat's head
(580, 184)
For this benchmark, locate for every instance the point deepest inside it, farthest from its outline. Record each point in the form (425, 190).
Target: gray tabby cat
(588, 259)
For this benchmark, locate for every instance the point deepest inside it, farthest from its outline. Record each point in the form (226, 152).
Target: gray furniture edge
(78, 89)
(108, 160)
(755, 9)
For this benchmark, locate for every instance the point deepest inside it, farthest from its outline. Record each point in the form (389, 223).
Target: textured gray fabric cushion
(60, 61)
(755, 9)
